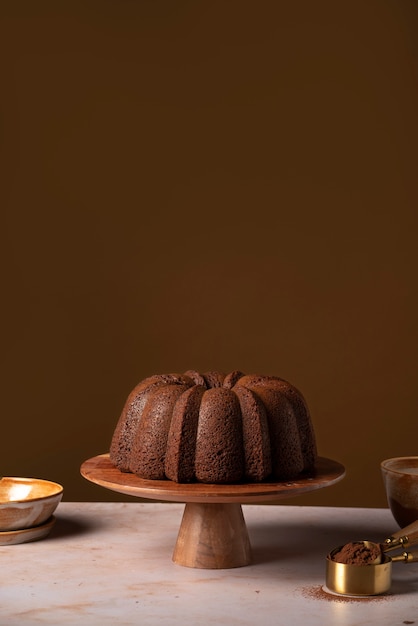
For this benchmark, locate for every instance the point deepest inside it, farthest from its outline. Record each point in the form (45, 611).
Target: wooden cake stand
(213, 533)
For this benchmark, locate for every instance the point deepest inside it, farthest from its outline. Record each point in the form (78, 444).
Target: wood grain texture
(100, 471)
(212, 536)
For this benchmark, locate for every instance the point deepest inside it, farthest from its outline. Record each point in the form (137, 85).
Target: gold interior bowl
(27, 502)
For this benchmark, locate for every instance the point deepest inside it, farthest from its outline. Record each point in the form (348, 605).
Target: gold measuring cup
(374, 578)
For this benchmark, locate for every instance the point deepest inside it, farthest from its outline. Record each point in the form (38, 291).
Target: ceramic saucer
(10, 537)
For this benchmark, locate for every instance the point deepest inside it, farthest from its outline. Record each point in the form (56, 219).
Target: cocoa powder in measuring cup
(356, 553)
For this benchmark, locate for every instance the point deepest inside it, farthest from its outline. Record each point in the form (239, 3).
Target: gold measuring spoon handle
(406, 557)
(407, 536)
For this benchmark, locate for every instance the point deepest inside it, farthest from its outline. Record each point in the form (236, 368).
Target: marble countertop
(110, 563)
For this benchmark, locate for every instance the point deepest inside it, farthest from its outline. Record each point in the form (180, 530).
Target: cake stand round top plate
(101, 471)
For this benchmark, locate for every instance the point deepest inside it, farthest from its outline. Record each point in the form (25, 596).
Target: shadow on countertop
(67, 526)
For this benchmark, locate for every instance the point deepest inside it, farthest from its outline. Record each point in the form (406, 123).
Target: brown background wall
(208, 185)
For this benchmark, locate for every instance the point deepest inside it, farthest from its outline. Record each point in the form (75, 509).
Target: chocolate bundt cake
(214, 428)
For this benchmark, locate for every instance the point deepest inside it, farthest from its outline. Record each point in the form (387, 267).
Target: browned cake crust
(256, 436)
(121, 445)
(181, 444)
(219, 446)
(149, 443)
(214, 428)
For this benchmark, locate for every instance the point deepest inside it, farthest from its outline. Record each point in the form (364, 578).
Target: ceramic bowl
(400, 477)
(27, 502)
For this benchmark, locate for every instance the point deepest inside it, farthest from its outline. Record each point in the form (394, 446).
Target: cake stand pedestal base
(212, 536)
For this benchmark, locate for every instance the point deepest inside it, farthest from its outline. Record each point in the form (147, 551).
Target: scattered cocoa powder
(318, 592)
(357, 553)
